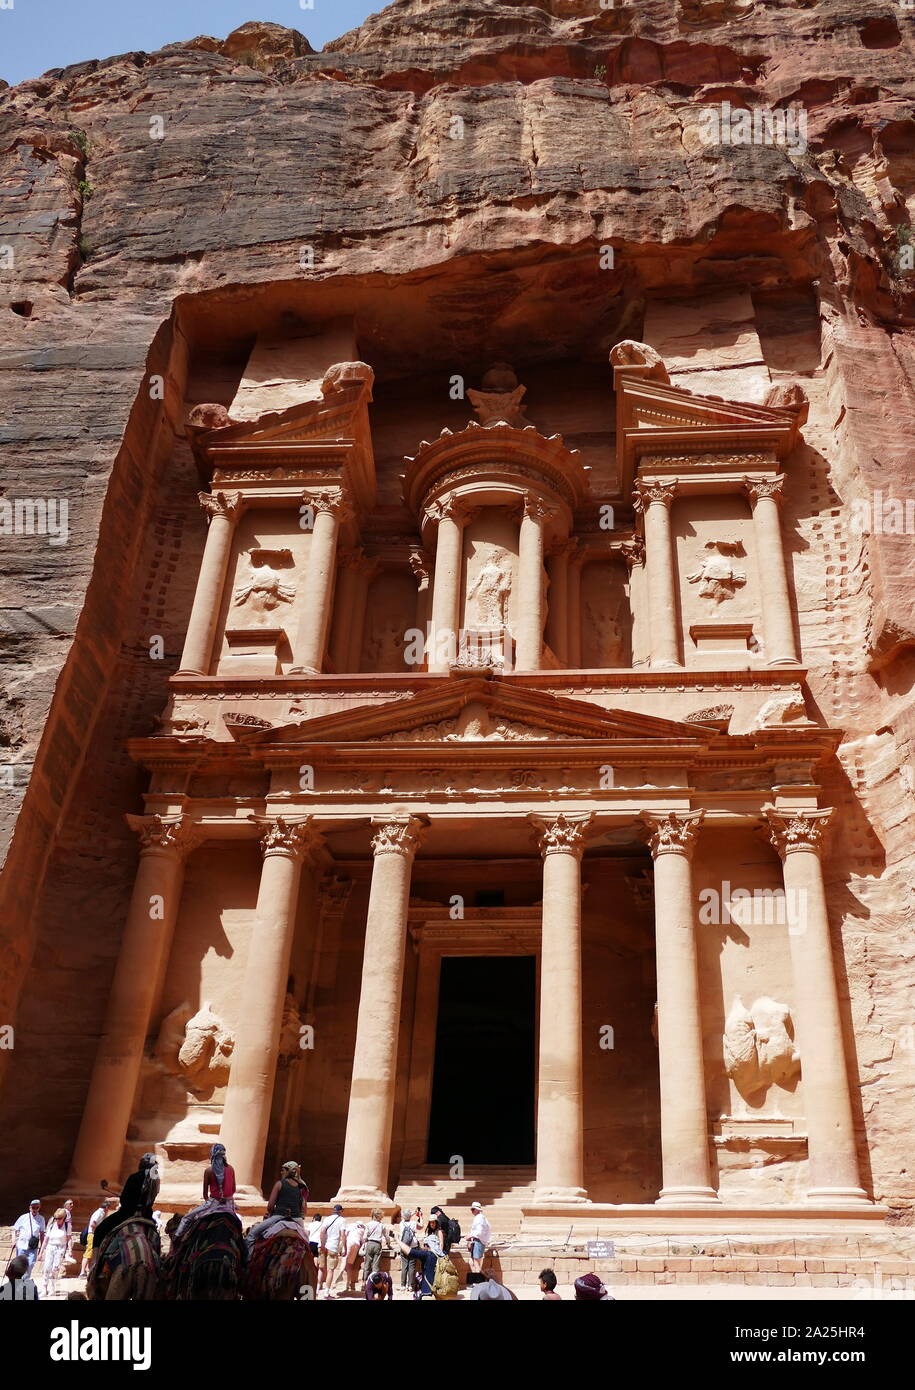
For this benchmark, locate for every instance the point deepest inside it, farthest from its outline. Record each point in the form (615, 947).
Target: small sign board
(601, 1250)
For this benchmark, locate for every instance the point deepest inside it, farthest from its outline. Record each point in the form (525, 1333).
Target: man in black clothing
(443, 1222)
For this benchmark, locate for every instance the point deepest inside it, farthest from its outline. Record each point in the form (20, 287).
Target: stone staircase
(501, 1191)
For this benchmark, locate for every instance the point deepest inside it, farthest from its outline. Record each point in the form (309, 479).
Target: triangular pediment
(331, 417)
(656, 418)
(481, 709)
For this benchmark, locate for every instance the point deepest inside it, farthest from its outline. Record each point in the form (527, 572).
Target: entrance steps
(502, 1191)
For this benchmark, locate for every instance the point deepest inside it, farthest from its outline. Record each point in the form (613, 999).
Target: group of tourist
(346, 1253)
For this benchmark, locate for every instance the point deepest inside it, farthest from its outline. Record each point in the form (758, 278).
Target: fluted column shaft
(367, 1150)
(684, 1115)
(446, 584)
(529, 613)
(145, 943)
(778, 624)
(318, 587)
(223, 510)
(249, 1097)
(831, 1150)
(654, 501)
(560, 1120)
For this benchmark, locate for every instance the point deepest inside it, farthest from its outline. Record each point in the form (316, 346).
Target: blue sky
(39, 34)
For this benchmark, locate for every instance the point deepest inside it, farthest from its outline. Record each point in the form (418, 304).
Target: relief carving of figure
(717, 576)
(264, 586)
(196, 1046)
(385, 648)
(604, 637)
(490, 590)
(759, 1050)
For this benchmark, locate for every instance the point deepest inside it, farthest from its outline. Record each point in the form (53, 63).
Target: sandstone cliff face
(447, 174)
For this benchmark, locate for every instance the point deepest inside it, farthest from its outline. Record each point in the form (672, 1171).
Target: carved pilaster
(791, 831)
(673, 832)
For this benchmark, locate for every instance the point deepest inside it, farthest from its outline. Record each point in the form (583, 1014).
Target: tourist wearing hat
(479, 1239)
(489, 1290)
(28, 1233)
(331, 1235)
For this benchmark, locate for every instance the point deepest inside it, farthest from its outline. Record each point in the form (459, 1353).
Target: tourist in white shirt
(330, 1237)
(479, 1238)
(28, 1233)
(56, 1252)
(375, 1240)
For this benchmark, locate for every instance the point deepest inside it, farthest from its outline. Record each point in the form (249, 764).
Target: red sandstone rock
(153, 262)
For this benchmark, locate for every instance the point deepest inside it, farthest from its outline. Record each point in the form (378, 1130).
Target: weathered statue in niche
(759, 1048)
(717, 576)
(385, 648)
(489, 592)
(263, 588)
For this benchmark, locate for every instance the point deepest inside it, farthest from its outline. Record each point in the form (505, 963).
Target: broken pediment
(654, 418)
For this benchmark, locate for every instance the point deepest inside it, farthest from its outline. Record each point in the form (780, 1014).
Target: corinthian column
(165, 843)
(778, 626)
(654, 501)
(367, 1151)
(684, 1116)
(223, 509)
(529, 608)
(249, 1097)
(446, 584)
(832, 1155)
(330, 508)
(560, 1126)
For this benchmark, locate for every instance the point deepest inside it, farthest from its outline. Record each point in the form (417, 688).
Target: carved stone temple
(489, 816)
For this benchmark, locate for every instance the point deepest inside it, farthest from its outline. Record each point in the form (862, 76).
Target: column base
(189, 671)
(553, 1196)
(783, 661)
(837, 1197)
(305, 671)
(666, 666)
(688, 1197)
(362, 1197)
(248, 1198)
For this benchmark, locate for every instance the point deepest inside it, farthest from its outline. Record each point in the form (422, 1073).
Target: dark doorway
(484, 1079)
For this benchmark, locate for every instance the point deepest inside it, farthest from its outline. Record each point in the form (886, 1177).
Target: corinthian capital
(562, 834)
(399, 835)
(165, 834)
(790, 831)
(536, 509)
(646, 493)
(336, 503)
(226, 504)
(296, 839)
(673, 832)
(755, 488)
(453, 508)
(633, 552)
